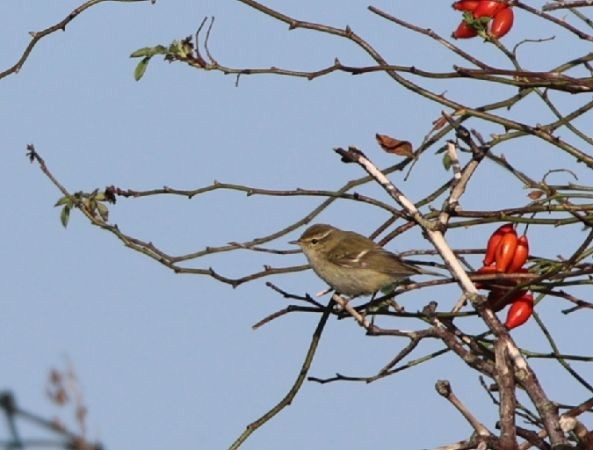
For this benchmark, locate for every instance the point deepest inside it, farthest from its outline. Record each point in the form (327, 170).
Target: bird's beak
(295, 242)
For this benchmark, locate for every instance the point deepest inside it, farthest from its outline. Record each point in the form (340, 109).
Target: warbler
(351, 263)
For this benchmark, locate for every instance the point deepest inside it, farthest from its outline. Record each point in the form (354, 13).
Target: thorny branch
(36, 36)
(371, 328)
(493, 353)
(190, 54)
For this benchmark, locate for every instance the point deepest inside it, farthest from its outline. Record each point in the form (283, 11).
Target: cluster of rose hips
(507, 253)
(477, 13)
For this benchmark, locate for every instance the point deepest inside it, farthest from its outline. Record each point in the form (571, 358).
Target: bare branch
(443, 387)
(287, 400)
(38, 35)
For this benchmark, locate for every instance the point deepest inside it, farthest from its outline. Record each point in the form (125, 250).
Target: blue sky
(170, 361)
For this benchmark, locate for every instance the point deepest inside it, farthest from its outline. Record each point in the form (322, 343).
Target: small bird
(353, 264)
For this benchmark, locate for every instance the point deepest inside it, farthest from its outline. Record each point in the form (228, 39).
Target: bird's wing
(349, 259)
(390, 263)
(362, 250)
(351, 251)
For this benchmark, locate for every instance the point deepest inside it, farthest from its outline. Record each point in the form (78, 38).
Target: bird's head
(318, 239)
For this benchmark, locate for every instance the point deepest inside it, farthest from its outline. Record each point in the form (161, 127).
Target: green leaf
(149, 52)
(103, 211)
(141, 68)
(65, 215)
(386, 290)
(447, 161)
(441, 150)
(65, 200)
(142, 52)
(174, 47)
(159, 50)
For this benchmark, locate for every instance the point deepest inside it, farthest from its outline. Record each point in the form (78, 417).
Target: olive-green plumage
(352, 264)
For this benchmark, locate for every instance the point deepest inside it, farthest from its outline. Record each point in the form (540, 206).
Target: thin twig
(287, 400)
(38, 35)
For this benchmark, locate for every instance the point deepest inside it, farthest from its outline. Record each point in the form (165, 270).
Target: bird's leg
(371, 309)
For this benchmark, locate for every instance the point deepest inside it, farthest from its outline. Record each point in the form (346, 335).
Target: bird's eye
(314, 241)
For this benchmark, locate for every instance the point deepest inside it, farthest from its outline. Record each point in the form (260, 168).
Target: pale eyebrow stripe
(326, 234)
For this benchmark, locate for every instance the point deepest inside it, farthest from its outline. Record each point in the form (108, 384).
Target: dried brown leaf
(535, 195)
(395, 146)
(439, 123)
